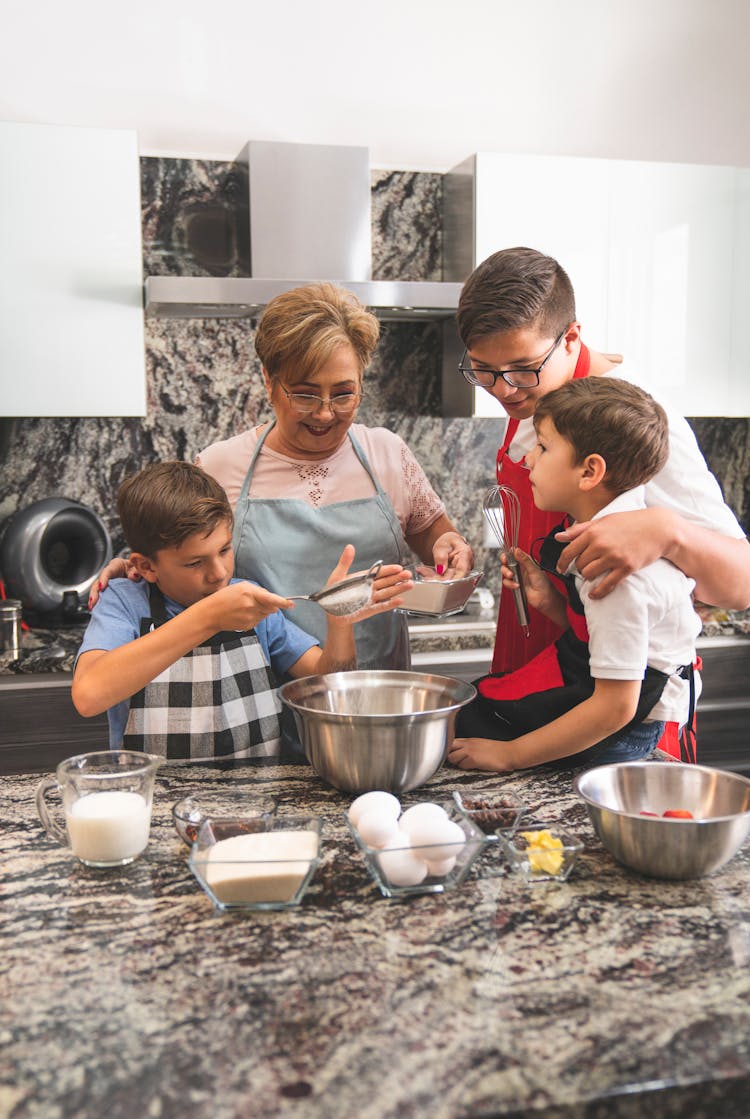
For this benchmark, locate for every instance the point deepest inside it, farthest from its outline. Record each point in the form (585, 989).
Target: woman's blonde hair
(300, 329)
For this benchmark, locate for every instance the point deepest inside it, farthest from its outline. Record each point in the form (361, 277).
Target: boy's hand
(481, 753)
(242, 605)
(537, 587)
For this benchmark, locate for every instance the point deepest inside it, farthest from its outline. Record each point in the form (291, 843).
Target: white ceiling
(422, 83)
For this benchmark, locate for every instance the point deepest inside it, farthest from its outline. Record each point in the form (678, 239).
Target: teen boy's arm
(622, 543)
(105, 677)
(687, 522)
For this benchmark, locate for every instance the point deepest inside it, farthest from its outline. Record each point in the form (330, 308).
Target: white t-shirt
(340, 477)
(647, 619)
(685, 484)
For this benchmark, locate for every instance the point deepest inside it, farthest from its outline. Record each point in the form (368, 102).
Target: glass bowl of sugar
(265, 862)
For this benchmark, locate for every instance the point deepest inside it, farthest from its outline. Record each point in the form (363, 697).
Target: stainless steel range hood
(309, 208)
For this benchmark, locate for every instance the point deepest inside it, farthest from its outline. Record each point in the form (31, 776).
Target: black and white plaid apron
(219, 700)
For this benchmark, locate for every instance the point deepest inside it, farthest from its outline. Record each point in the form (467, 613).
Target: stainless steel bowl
(376, 729)
(617, 795)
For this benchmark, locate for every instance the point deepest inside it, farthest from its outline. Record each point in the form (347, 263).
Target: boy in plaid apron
(623, 666)
(185, 662)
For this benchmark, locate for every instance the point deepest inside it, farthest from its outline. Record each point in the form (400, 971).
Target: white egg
(398, 863)
(387, 804)
(418, 813)
(436, 839)
(375, 828)
(438, 868)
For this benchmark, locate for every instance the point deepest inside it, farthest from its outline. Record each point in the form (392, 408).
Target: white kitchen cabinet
(71, 305)
(659, 256)
(544, 202)
(671, 258)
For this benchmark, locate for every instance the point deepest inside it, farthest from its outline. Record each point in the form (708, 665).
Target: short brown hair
(515, 288)
(300, 329)
(166, 502)
(610, 417)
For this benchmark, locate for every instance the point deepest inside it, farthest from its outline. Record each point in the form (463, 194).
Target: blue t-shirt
(116, 620)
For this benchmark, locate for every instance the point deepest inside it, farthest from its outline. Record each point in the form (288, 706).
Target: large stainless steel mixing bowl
(616, 795)
(376, 729)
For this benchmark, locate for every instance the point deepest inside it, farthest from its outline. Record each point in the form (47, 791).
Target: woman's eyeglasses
(303, 403)
(516, 378)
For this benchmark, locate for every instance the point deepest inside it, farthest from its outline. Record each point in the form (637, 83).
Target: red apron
(512, 648)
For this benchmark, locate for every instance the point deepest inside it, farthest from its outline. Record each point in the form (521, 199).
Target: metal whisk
(502, 508)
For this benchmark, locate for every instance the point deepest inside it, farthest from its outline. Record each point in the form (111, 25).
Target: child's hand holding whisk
(540, 592)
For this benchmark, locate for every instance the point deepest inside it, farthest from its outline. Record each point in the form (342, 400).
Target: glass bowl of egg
(426, 848)
(266, 862)
(541, 853)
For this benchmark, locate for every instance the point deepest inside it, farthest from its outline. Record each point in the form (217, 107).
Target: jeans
(631, 746)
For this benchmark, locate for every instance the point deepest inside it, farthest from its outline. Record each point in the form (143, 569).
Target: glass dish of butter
(541, 853)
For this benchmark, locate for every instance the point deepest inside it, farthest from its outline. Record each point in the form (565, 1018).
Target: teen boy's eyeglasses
(303, 403)
(516, 378)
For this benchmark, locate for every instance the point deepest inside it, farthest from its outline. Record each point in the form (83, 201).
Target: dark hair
(610, 417)
(515, 288)
(301, 328)
(166, 502)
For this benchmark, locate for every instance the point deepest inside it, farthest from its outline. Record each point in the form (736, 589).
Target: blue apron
(290, 547)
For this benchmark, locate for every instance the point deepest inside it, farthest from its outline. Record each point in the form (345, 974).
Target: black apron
(556, 680)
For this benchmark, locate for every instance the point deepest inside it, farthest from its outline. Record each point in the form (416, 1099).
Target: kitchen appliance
(309, 219)
(502, 511)
(379, 729)
(50, 553)
(345, 597)
(627, 802)
(10, 628)
(435, 597)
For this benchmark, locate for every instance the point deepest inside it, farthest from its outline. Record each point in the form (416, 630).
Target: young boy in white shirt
(185, 662)
(623, 666)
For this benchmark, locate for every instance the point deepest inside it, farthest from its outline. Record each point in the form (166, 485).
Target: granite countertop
(54, 650)
(124, 993)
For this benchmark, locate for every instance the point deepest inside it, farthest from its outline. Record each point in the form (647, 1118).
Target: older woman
(311, 481)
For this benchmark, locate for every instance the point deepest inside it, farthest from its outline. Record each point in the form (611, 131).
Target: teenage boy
(517, 319)
(623, 666)
(185, 661)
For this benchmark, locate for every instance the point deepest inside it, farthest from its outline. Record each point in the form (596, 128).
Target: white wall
(422, 83)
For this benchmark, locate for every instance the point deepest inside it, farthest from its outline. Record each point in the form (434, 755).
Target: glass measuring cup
(106, 799)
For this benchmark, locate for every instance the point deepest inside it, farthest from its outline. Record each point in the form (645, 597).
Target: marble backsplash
(204, 378)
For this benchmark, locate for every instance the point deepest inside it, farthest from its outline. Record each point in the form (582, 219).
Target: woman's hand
(392, 581)
(117, 568)
(453, 557)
